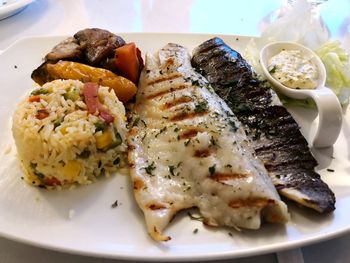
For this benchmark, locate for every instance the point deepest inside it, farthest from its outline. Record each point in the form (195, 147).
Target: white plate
(40, 217)
(11, 7)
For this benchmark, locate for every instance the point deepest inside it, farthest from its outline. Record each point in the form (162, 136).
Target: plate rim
(12, 8)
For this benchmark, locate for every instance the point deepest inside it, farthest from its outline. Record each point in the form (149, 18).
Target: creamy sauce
(293, 69)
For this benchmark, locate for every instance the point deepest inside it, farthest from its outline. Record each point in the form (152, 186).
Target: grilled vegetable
(123, 88)
(127, 61)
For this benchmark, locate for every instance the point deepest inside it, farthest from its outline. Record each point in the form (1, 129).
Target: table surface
(64, 17)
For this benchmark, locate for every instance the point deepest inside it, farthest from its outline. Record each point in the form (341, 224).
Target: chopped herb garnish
(195, 231)
(176, 129)
(116, 161)
(57, 122)
(144, 123)
(42, 127)
(171, 169)
(233, 126)
(115, 204)
(39, 91)
(201, 106)
(161, 131)
(195, 217)
(150, 168)
(272, 70)
(212, 141)
(230, 234)
(228, 165)
(212, 169)
(33, 165)
(100, 125)
(84, 154)
(187, 142)
(195, 82)
(136, 121)
(330, 170)
(39, 175)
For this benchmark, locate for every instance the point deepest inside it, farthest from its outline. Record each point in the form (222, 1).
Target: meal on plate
(220, 141)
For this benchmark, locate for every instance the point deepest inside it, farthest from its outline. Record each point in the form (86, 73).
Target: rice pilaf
(59, 141)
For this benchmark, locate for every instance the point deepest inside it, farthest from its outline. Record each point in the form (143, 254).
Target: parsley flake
(201, 106)
(212, 169)
(150, 168)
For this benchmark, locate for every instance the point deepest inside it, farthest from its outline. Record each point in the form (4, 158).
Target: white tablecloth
(248, 17)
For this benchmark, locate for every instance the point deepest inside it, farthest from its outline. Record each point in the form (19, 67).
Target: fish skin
(187, 149)
(274, 133)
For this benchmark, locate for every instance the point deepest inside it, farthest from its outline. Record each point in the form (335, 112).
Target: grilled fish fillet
(274, 133)
(187, 149)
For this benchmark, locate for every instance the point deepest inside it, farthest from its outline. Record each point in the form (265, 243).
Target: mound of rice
(60, 144)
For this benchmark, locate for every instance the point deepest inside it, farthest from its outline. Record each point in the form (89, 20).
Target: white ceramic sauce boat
(328, 106)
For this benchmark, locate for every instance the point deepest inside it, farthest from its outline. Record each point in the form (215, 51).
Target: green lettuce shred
(336, 61)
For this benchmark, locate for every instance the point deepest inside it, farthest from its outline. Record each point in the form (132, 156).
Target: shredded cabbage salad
(336, 62)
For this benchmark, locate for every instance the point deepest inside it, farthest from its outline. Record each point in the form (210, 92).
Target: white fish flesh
(187, 149)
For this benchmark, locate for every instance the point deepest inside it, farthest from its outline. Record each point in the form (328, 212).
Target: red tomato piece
(42, 114)
(127, 61)
(35, 98)
(52, 181)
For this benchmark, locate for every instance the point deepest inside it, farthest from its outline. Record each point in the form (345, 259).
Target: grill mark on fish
(156, 206)
(202, 153)
(274, 133)
(168, 77)
(167, 91)
(222, 177)
(191, 132)
(176, 102)
(184, 115)
(251, 202)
